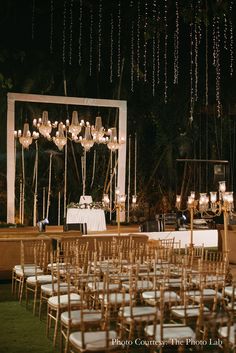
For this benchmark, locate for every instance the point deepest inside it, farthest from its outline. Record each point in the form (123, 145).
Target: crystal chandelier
(98, 131)
(60, 138)
(44, 125)
(26, 138)
(86, 142)
(75, 127)
(113, 144)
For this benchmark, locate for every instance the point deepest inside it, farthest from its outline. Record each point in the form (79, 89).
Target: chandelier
(113, 144)
(87, 141)
(60, 139)
(98, 131)
(26, 138)
(75, 127)
(44, 125)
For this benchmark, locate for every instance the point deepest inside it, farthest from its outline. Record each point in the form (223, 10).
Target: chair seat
(229, 290)
(99, 286)
(139, 285)
(28, 271)
(50, 289)
(207, 293)
(169, 296)
(89, 316)
(93, 341)
(188, 311)
(44, 279)
(138, 313)
(171, 333)
(54, 302)
(18, 267)
(228, 332)
(115, 298)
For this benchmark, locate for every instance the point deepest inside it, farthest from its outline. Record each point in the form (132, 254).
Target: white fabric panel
(95, 219)
(207, 237)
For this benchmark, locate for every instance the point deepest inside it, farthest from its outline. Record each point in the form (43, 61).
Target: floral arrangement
(91, 205)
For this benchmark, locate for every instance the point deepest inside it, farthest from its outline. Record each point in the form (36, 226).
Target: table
(208, 237)
(95, 218)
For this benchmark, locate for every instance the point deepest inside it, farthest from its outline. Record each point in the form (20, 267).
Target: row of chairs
(153, 292)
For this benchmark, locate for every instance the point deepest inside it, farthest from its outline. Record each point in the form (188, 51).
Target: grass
(20, 331)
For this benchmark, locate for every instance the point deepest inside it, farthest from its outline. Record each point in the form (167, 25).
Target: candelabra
(119, 205)
(210, 206)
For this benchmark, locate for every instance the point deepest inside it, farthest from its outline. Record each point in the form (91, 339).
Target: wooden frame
(36, 98)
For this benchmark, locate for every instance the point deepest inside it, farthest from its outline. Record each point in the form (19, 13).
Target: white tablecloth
(95, 219)
(208, 237)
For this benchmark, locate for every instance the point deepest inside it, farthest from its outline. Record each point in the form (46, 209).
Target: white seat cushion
(229, 291)
(74, 299)
(28, 271)
(40, 279)
(228, 331)
(139, 285)
(139, 313)
(171, 333)
(115, 298)
(94, 341)
(48, 288)
(99, 286)
(188, 311)
(88, 316)
(169, 296)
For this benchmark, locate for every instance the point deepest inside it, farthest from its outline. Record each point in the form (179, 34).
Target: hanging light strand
(231, 44)
(132, 58)
(138, 40)
(217, 65)
(225, 32)
(71, 32)
(206, 66)
(165, 53)
(176, 44)
(91, 42)
(111, 48)
(197, 39)
(158, 47)
(145, 42)
(51, 25)
(64, 34)
(154, 12)
(80, 32)
(191, 74)
(99, 35)
(118, 40)
(33, 19)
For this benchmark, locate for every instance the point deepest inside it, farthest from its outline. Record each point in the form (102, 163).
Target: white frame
(37, 98)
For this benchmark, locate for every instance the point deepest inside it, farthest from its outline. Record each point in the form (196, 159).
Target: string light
(197, 39)
(111, 49)
(138, 42)
(191, 74)
(231, 44)
(51, 25)
(206, 64)
(91, 42)
(225, 32)
(33, 19)
(176, 44)
(132, 58)
(64, 34)
(158, 48)
(118, 39)
(165, 52)
(99, 34)
(217, 65)
(145, 42)
(154, 10)
(80, 32)
(71, 32)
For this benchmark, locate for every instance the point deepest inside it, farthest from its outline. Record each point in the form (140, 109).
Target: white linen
(95, 218)
(208, 237)
(85, 199)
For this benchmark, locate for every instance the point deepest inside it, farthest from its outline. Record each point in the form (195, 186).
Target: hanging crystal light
(75, 126)
(113, 143)
(87, 141)
(98, 131)
(44, 125)
(26, 138)
(60, 138)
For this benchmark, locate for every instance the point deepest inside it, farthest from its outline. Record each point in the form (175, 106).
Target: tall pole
(44, 201)
(23, 186)
(65, 180)
(59, 209)
(111, 185)
(49, 186)
(191, 226)
(135, 165)
(35, 185)
(84, 172)
(128, 189)
(226, 221)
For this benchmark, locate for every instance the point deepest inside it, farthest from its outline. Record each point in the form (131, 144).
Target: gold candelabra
(210, 206)
(119, 205)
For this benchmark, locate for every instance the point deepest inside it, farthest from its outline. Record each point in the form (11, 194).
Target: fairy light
(154, 10)
(191, 74)
(176, 44)
(206, 64)
(51, 25)
(118, 39)
(91, 42)
(99, 35)
(145, 42)
(138, 41)
(225, 32)
(197, 39)
(33, 19)
(165, 52)
(217, 65)
(231, 43)
(71, 32)
(132, 58)
(80, 32)
(64, 34)
(158, 49)
(111, 48)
